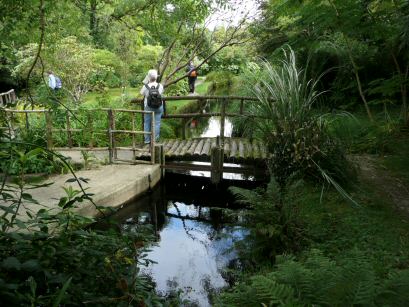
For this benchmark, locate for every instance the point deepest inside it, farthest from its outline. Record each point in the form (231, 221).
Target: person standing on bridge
(151, 87)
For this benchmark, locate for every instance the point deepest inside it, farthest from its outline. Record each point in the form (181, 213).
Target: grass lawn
(111, 94)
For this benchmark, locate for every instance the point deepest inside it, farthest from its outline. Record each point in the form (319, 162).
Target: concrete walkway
(112, 186)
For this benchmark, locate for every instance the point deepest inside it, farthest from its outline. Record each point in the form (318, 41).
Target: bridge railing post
(49, 129)
(90, 124)
(153, 136)
(216, 161)
(69, 132)
(133, 136)
(142, 104)
(222, 122)
(110, 135)
(160, 159)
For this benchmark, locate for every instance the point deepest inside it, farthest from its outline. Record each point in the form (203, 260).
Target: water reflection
(213, 128)
(194, 248)
(228, 176)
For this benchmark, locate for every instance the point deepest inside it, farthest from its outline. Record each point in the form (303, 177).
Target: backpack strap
(147, 86)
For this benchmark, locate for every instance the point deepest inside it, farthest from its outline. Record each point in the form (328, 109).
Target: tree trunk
(405, 96)
(358, 80)
(403, 87)
(93, 25)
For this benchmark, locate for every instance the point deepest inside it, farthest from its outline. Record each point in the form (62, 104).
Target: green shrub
(358, 135)
(50, 258)
(178, 89)
(145, 59)
(167, 130)
(319, 281)
(296, 137)
(272, 221)
(221, 83)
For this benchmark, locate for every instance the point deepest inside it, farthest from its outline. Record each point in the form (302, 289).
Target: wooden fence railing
(13, 125)
(7, 98)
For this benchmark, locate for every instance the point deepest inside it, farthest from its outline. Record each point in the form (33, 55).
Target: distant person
(192, 76)
(54, 82)
(152, 91)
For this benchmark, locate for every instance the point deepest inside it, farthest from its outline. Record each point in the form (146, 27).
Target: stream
(195, 232)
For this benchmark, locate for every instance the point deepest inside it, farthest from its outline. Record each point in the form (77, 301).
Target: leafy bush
(318, 280)
(28, 162)
(166, 130)
(145, 58)
(228, 60)
(221, 83)
(49, 259)
(295, 136)
(109, 73)
(358, 135)
(272, 221)
(178, 89)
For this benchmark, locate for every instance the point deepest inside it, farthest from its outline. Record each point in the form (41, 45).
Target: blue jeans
(148, 120)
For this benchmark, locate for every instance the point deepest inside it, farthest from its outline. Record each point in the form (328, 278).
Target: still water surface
(195, 245)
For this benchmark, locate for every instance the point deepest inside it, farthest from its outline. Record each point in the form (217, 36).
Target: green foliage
(64, 57)
(358, 135)
(109, 74)
(145, 58)
(221, 83)
(231, 60)
(317, 280)
(167, 131)
(361, 40)
(50, 258)
(295, 136)
(28, 162)
(272, 221)
(179, 89)
(102, 266)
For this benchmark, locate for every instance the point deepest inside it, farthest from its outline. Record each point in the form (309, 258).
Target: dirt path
(387, 185)
(200, 81)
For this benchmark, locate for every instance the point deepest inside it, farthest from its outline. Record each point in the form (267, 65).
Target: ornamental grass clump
(295, 135)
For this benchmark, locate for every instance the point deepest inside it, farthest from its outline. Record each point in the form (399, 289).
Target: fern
(395, 290)
(244, 196)
(273, 223)
(317, 280)
(271, 293)
(262, 291)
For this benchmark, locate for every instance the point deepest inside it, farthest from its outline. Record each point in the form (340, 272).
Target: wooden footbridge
(235, 150)
(88, 129)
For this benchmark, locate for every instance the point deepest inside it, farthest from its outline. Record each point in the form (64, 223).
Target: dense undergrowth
(346, 255)
(50, 257)
(311, 242)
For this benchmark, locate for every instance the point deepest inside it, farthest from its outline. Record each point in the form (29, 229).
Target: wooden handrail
(25, 111)
(175, 98)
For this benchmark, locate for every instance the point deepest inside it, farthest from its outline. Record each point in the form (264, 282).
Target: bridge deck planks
(236, 150)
